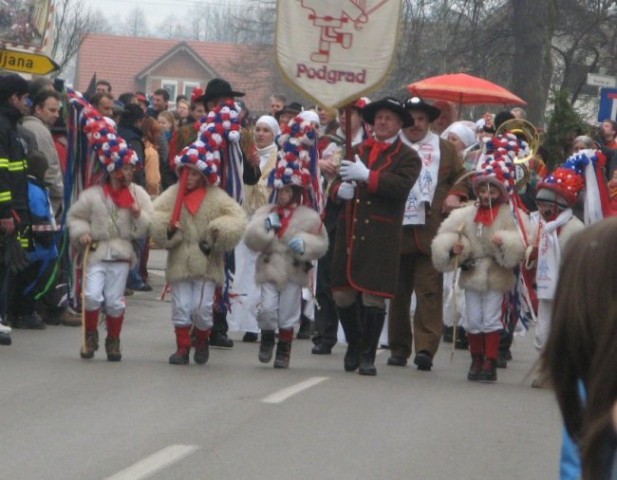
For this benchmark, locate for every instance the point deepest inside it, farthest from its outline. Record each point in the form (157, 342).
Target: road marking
(285, 393)
(154, 463)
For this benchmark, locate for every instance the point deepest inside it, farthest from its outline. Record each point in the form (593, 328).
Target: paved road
(64, 418)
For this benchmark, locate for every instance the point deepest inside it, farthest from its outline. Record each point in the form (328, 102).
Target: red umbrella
(463, 89)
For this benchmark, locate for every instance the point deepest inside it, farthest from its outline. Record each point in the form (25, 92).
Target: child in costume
(556, 224)
(289, 237)
(106, 219)
(487, 241)
(197, 222)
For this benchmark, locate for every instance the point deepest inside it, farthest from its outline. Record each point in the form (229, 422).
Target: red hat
(567, 181)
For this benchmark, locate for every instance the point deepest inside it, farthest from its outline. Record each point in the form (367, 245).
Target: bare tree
(136, 24)
(72, 24)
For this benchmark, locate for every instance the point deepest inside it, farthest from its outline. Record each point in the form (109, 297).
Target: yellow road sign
(25, 62)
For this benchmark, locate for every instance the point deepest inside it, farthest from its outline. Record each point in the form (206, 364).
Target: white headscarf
(462, 131)
(272, 124)
(309, 116)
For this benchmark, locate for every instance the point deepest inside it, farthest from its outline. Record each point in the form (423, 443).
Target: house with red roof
(145, 64)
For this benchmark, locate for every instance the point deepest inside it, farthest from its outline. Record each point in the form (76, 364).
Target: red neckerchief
(377, 148)
(486, 215)
(121, 197)
(192, 200)
(285, 214)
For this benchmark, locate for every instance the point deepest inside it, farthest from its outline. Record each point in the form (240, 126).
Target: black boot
(489, 371)
(283, 348)
(475, 368)
(306, 328)
(461, 339)
(266, 347)
(350, 322)
(372, 323)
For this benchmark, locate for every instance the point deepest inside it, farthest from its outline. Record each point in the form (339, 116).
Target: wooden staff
(459, 231)
(83, 298)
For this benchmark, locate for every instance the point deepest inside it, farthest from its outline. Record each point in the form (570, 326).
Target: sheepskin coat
(218, 213)
(484, 265)
(112, 229)
(277, 263)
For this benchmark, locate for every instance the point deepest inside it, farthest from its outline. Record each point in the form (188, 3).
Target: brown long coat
(419, 237)
(369, 226)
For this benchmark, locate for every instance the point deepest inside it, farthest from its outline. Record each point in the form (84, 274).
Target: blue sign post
(608, 104)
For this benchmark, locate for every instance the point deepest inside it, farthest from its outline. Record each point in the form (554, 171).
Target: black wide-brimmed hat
(294, 108)
(416, 103)
(218, 88)
(387, 103)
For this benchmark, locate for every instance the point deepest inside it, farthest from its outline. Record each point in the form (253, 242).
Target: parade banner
(336, 51)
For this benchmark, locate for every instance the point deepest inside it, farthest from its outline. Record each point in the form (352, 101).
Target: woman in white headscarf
(245, 294)
(462, 135)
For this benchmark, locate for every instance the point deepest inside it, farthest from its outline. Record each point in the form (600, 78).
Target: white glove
(346, 190)
(354, 170)
(272, 221)
(296, 245)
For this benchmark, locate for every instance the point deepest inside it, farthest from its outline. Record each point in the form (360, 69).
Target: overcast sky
(155, 10)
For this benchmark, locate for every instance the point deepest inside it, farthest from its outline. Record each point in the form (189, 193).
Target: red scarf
(121, 197)
(486, 215)
(377, 148)
(285, 214)
(192, 200)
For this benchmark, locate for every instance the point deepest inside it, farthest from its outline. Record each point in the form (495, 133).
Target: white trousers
(483, 311)
(192, 299)
(279, 308)
(543, 324)
(105, 284)
(246, 294)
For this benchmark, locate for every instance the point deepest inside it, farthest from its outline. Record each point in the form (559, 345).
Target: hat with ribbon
(563, 185)
(388, 103)
(294, 165)
(111, 150)
(216, 129)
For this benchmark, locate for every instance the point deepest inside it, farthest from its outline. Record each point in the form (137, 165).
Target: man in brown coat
(432, 197)
(368, 241)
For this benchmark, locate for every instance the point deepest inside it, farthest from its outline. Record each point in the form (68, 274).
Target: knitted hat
(294, 159)
(12, 84)
(563, 185)
(215, 130)
(508, 145)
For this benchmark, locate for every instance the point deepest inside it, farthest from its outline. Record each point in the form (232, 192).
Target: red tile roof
(119, 59)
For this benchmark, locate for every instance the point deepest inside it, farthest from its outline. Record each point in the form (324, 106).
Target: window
(189, 87)
(172, 87)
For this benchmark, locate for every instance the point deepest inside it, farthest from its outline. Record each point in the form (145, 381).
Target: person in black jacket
(14, 213)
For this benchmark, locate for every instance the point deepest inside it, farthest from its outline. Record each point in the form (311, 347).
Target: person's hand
(497, 240)
(346, 190)
(7, 225)
(450, 203)
(457, 248)
(85, 239)
(272, 221)
(354, 170)
(328, 166)
(296, 245)
(253, 159)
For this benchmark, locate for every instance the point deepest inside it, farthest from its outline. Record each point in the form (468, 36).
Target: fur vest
(218, 225)
(484, 265)
(278, 264)
(112, 229)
